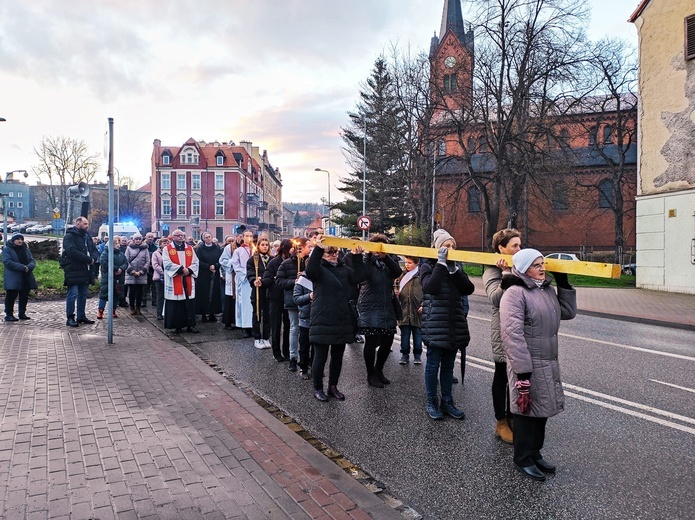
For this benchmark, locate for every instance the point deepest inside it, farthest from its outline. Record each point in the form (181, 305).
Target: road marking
(611, 344)
(483, 364)
(674, 386)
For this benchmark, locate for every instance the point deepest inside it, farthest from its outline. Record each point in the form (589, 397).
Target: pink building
(214, 187)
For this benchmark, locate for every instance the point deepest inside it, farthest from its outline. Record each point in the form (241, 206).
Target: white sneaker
(259, 344)
(267, 343)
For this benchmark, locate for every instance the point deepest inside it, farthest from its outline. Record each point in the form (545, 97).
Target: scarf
(407, 277)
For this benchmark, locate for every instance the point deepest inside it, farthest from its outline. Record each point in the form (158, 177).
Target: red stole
(178, 279)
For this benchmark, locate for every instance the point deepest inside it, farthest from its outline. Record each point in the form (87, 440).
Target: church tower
(451, 59)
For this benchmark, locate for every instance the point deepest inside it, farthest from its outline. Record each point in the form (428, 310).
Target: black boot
(373, 380)
(71, 321)
(380, 375)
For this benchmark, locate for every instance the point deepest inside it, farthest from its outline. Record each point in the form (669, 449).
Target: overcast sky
(280, 73)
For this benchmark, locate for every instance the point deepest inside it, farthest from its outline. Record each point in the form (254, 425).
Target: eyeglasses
(537, 266)
(332, 251)
(137, 239)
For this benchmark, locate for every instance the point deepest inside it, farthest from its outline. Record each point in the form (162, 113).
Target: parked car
(562, 256)
(23, 227)
(629, 269)
(36, 228)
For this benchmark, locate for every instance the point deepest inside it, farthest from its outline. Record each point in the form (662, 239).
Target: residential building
(666, 165)
(19, 198)
(214, 187)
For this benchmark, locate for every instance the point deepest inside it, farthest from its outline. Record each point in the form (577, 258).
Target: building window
(219, 181)
(560, 197)
(593, 135)
(11, 194)
(690, 37)
(220, 160)
(181, 181)
(605, 194)
(441, 148)
(195, 207)
(471, 144)
(181, 207)
(20, 194)
(195, 181)
(20, 204)
(473, 200)
(219, 207)
(10, 204)
(565, 137)
(166, 181)
(166, 207)
(450, 83)
(165, 160)
(608, 134)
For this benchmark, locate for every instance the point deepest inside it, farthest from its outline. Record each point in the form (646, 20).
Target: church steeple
(452, 18)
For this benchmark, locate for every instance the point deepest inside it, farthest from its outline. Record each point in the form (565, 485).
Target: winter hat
(15, 236)
(440, 236)
(136, 235)
(524, 258)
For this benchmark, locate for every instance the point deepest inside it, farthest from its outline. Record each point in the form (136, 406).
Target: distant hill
(304, 212)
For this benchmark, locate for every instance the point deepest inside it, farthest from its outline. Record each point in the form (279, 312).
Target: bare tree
(63, 162)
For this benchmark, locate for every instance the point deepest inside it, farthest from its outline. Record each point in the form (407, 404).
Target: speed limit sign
(364, 223)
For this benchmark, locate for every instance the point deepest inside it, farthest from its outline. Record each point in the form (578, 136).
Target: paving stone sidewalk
(145, 429)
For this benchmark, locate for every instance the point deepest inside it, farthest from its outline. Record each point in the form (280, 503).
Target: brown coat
(530, 319)
(492, 278)
(410, 299)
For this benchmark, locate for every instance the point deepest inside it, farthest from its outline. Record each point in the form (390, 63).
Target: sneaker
(404, 359)
(293, 365)
(418, 360)
(267, 343)
(259, 344)
(11, 318)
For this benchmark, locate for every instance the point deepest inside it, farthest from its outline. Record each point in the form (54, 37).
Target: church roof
(452, 18)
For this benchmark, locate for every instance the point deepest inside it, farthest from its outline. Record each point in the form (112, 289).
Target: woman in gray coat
(530, 314)
(19, 276)
(138, 256)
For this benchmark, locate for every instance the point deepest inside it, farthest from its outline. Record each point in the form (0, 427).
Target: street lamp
(355, 117)
(329, 196)
(4, 201)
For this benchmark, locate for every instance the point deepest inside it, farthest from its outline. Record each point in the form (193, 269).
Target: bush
(44, 249)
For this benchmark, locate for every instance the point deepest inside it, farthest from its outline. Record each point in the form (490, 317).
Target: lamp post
(329, 196)
(4, 201)
(355, 117)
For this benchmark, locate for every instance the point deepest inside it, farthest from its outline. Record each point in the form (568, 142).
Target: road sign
(364, 223)
(56, 215)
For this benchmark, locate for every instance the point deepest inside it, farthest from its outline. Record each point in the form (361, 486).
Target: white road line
(611, 344)
(483, 364)
(674, 386)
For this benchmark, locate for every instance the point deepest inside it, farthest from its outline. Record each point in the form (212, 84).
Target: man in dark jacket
(279, 318)
(79, 254)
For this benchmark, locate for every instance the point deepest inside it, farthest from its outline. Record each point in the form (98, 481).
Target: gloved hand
(441, 255)
(523, 399)
(561, 280)
(451, 266)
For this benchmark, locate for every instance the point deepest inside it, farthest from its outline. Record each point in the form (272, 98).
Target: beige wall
(667, 99)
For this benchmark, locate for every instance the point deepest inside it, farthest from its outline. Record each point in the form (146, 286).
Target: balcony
(263, 226)
(263, 205)
(252, 198)
(253, 221)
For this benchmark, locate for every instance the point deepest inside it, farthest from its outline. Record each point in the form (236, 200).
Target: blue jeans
(439, 369)
(76, 293)
(294, 333)
(406, 330)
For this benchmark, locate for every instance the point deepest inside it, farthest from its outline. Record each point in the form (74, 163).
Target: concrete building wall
(666, 158)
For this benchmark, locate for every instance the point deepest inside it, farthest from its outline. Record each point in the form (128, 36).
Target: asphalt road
(625, 446)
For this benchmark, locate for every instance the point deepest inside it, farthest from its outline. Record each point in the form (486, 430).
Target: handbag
(354, 313)
(397, 307)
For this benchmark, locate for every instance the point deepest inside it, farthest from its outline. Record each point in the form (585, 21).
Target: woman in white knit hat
(530, 314)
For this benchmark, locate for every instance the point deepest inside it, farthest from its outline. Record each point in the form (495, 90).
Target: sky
(282, 74)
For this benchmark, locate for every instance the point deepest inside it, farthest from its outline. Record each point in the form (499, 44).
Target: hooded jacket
(138, 257)
(529, 321)
(375, 303)
(79, 252)
(16, 258)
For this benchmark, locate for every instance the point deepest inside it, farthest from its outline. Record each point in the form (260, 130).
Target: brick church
(569, 209)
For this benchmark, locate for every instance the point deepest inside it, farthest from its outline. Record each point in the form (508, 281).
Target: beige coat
(492, 278)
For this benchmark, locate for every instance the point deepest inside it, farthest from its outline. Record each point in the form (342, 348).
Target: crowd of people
(306, 300)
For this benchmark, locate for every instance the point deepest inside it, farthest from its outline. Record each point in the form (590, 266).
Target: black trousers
(150, 291)
(264, 322)
(279, 324)
(319, 363)
(159, 289)
(463, 364)
(375, 360)
(500, 391)
(135, 294)
(10, 298)
(305, 357)
(529, 436)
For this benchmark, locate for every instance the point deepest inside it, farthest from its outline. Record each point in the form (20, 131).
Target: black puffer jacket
(444, 323)
(375, 303)
(331, 317)
(251, 276)
(79, 252)
(287, 275)
(275, 292)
